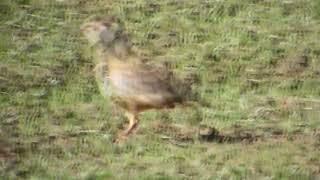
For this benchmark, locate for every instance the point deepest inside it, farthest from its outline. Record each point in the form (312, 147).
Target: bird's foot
(121, 138)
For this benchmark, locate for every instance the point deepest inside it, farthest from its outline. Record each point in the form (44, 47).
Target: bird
(132, 85)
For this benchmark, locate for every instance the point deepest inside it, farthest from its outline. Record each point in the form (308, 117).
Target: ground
(258, 84)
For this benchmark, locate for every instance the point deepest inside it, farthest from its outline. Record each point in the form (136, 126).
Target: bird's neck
(118, 49)
(119, 53)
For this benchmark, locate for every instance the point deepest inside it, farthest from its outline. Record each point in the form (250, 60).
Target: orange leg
(133, 122)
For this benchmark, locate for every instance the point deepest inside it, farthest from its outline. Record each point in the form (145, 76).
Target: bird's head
(103, 31)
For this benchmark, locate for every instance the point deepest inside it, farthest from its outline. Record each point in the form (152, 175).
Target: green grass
(240, 51)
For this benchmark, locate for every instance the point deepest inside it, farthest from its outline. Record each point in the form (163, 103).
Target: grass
(54, 124)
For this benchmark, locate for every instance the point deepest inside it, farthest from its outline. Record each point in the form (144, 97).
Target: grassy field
(257, 64)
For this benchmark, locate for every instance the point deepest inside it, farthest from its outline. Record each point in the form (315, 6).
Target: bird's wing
(138, 81)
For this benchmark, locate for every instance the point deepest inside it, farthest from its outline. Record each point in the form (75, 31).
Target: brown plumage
(133, 85)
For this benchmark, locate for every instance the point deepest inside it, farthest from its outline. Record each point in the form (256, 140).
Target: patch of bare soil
(173, 131)
(210, 134)
(293, 65)
(237, 134)
(9, 78)
(6, 152)
(183, 134)
(8, 156)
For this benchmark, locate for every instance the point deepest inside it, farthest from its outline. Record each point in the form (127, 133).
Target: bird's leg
(133, 122)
